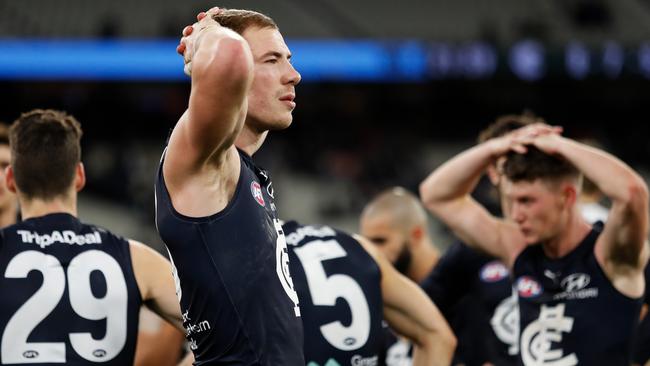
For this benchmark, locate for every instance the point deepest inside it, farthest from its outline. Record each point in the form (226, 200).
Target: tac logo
(493, 272)
(575, 282)
(528, 287)
(256, 190)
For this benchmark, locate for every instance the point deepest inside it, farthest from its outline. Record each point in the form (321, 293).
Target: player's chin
(282, 122)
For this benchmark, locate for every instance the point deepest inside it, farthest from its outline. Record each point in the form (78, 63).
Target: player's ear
(79, 177)
(10, 179)
(569, 194)
(417, 233)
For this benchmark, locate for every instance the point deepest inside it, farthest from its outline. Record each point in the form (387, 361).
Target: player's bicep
(622, 242)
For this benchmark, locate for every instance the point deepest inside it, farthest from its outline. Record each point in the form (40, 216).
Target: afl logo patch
(493, 272)
(256, 190)
(528, 287)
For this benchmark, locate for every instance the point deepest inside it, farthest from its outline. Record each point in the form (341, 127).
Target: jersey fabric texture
(232, 276)
(339, 287)
(68, 294)
(474, 293)
(570, 312)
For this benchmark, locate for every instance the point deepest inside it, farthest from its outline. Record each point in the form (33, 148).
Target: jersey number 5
(16, 350)
(325, 290)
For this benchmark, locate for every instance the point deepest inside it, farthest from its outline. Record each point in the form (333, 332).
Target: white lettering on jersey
(398, 354)
(63, 237)
(282, 266)
(505, 322)
(295, 237)
(537, 339)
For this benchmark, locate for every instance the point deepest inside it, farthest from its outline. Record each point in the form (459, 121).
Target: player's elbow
(428, 196)
(441, 339)
(227, 61)
(636, 195)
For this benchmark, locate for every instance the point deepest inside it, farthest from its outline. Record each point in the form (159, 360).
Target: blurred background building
(390, 89)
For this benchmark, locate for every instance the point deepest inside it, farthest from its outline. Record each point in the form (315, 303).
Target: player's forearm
(457, 177)
(612, 176)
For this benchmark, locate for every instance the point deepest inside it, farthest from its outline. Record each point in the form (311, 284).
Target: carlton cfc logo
(528, 287)
(256, 190)
(493, 272)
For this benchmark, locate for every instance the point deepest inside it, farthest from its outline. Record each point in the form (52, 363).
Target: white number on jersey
(325, 290)
(113, 307)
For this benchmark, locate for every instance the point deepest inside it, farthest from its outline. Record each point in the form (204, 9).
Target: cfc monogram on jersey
(571, 314)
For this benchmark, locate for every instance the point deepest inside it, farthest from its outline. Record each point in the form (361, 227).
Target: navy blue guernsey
(232, 273)
(338, 284)
(642, 342)
(474, 293)
(570, 312)
(68, 294)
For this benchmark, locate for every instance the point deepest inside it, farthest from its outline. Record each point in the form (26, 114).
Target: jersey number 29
(113, 307)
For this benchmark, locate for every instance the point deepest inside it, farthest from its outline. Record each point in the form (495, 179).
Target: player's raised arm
(409, 311)
(446, 193)
(222, 72)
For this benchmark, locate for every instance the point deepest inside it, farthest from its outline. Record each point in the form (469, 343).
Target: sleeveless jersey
(68, 294)
(642, 342)
(338, 284)
(474, 293)
(232, 276)
(570, 312)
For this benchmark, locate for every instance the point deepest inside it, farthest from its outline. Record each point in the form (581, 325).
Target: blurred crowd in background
(581, 64)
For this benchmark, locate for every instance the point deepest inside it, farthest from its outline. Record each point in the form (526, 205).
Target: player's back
(339, 287)
(68, 294)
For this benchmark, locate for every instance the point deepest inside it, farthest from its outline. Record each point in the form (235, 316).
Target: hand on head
(539, 135)
(188, 43)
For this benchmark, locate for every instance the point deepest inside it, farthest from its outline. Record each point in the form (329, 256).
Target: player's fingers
(188, 30)
(201, 15)
(180, 49)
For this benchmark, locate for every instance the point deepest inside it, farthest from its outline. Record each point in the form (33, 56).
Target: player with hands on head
(566, 273)
(215, 207)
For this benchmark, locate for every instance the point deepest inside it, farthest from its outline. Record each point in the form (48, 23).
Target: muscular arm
(153, 274)
(222, 72)
(409, 311)
(621, 248)
(446, 193)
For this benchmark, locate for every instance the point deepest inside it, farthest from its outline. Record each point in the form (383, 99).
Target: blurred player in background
(329, 265)
(576, 274)
(8, 201)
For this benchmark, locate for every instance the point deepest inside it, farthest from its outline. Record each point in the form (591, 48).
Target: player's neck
(250, 140)
(38, 207)
(568, 239)
(422, 262)
(8, 215)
